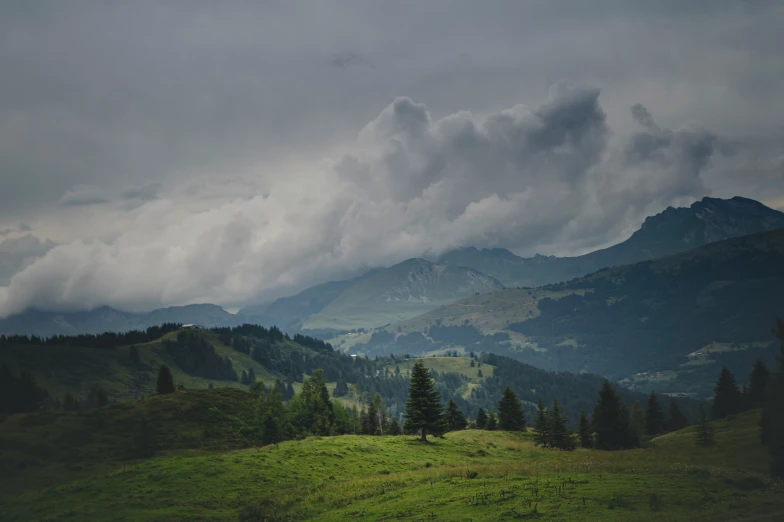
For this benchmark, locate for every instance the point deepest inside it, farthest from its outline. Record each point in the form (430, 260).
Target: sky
(165, 153)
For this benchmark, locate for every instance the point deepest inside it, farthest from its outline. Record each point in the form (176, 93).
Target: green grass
(468, 475)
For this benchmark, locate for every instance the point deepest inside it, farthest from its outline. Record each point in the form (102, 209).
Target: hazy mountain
(685, 314)
(672, 231)
(106, 319)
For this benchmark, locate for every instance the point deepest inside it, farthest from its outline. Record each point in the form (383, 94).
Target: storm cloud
(180, 153)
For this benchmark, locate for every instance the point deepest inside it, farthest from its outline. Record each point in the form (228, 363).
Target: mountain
(399, 292)
(672, 320)
(107, 319)
(672, 231)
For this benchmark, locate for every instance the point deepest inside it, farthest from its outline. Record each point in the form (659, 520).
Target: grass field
(468, 475)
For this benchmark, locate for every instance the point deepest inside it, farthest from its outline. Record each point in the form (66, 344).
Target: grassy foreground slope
(468, 475)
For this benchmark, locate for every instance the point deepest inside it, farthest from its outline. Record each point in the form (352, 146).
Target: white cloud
(524, 178)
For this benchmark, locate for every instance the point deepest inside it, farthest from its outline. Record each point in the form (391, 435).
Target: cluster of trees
(772, 421)
(729, 399)
(104, 341)
(19, 393)
(550, 430)
(196, 356)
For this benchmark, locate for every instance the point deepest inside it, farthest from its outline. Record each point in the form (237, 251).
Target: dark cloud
(348, 59)
(19, 252)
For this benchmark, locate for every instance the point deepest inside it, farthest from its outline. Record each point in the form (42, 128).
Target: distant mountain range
(667, 323)
(672, 231)
(404, 291)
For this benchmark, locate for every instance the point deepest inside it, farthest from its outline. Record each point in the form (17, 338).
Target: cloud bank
(525, 178)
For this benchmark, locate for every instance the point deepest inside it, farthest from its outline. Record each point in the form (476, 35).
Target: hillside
(690, 313)
(107, 319)
(468, 475)
(672, 231)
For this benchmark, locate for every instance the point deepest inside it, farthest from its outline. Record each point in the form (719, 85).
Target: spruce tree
(542, 426)
(394, 427)
(165, 382)
(455, 419)
(726, 395)
(273, 416)
(772, 421)
(675, 418)
(584, 431)
(372, 425)
(423, 407)
(610, 420)
(758, 384)
(703, 436)
(492, 422)
(481, 419)
(637, 425)
(511, 416)
(654, 416)
(560, 437)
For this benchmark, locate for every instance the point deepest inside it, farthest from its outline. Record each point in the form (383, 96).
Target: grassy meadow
(195, 474)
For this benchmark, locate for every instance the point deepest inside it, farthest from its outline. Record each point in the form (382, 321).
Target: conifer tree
(481, 419)
(492, 422)
(654, 416)
(69, 402)
(372, 428)
(758, 384)
(584, 431)
(511, 416)
(394, 427)
(675, 418)
(455, 419)
(165, 382)
(542, 426)
(703, 436)
(560, 438)
(726, 395)
(244, 377)
(273, 416)
(381, 411)
(424, 413)
(251, 376)
(610, 420)
(772, 421)
(637, 424)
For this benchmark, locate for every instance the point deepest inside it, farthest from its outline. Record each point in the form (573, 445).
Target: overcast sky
(160, 153)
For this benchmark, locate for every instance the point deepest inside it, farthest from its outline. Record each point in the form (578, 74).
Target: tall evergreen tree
(381, 411)
(455, 419)
(394, 427)
(511, 416)
(584, 431)
(423, 406)
(610, 420)
(758, 384)
(726, 395)
(273, 416)
(372, 426)
(542, 435)
(703, 436)
(165, 382)
(654, 416)
(676, 420)
(481, 419)
(637, 424)
(560, 438)
(492, 421)
(772, 421)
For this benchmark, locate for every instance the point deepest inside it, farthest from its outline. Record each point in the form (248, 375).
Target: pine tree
(703, 436)
(772, 421)
(394, 427)
(423, 407)
(69, 402)
(542, 435)
(165, 382)
(584, 431)
(726, 395)
(637, 424)
(455, 419)
(251, 376)
(383, 422)
(479, 374)
(371, 427)
(511, 416)
(610, 420)
(481, 419)
(654, 416)
(559, 434)
(273, 416)
(492, 422)
(675, 418)
(758, 384)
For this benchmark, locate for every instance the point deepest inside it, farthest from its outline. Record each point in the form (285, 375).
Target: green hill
(667, 324)
(468, 475)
